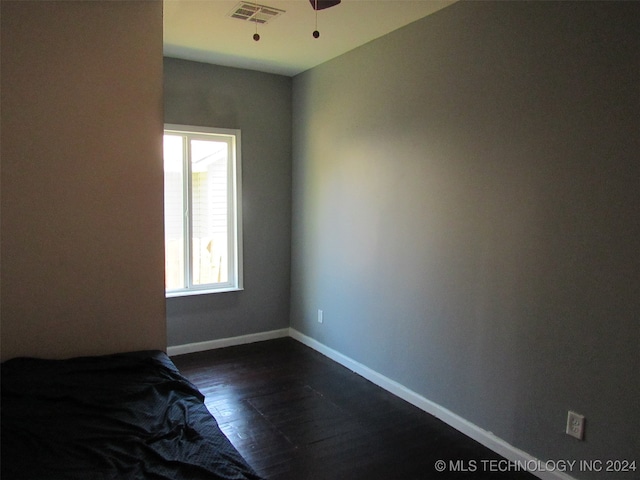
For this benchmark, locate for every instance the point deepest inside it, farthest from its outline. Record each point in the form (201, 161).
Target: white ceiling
(201, 30)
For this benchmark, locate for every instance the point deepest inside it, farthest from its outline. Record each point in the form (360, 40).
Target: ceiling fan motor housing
(322, 4)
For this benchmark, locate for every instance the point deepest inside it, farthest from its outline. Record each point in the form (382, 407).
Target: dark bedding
(124, 416)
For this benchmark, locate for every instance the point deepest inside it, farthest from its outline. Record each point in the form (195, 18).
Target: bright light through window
(202, 210)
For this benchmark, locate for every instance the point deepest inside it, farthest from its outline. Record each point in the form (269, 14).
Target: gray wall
(82, 249)
(465, 212)
(259, 104)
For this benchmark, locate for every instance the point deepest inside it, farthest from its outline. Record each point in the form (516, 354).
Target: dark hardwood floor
(296, 415)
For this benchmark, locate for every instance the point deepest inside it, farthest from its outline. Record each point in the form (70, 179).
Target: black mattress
(123, 416)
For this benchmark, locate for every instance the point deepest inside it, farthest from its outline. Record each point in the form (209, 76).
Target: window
(202, 222)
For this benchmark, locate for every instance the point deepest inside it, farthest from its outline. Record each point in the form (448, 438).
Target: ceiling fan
(316, 4)
(322, 4)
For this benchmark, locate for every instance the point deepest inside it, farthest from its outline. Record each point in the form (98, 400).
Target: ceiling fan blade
(322, 4)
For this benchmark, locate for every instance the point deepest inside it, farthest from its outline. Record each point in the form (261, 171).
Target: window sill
(188, 293)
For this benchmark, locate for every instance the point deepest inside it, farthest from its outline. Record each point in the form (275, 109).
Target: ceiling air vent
(254, 12)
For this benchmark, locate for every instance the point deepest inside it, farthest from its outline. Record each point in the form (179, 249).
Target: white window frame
(234, 211)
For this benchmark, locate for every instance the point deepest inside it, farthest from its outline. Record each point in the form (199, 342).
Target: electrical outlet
(575, 425)
(320, 316)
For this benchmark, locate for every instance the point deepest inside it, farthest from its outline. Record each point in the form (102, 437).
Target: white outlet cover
(575, 425)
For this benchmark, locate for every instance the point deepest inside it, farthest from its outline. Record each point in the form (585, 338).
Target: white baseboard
(226, 342)
(484, 437)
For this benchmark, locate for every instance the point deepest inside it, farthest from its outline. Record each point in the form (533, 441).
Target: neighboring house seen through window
(202, 214)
